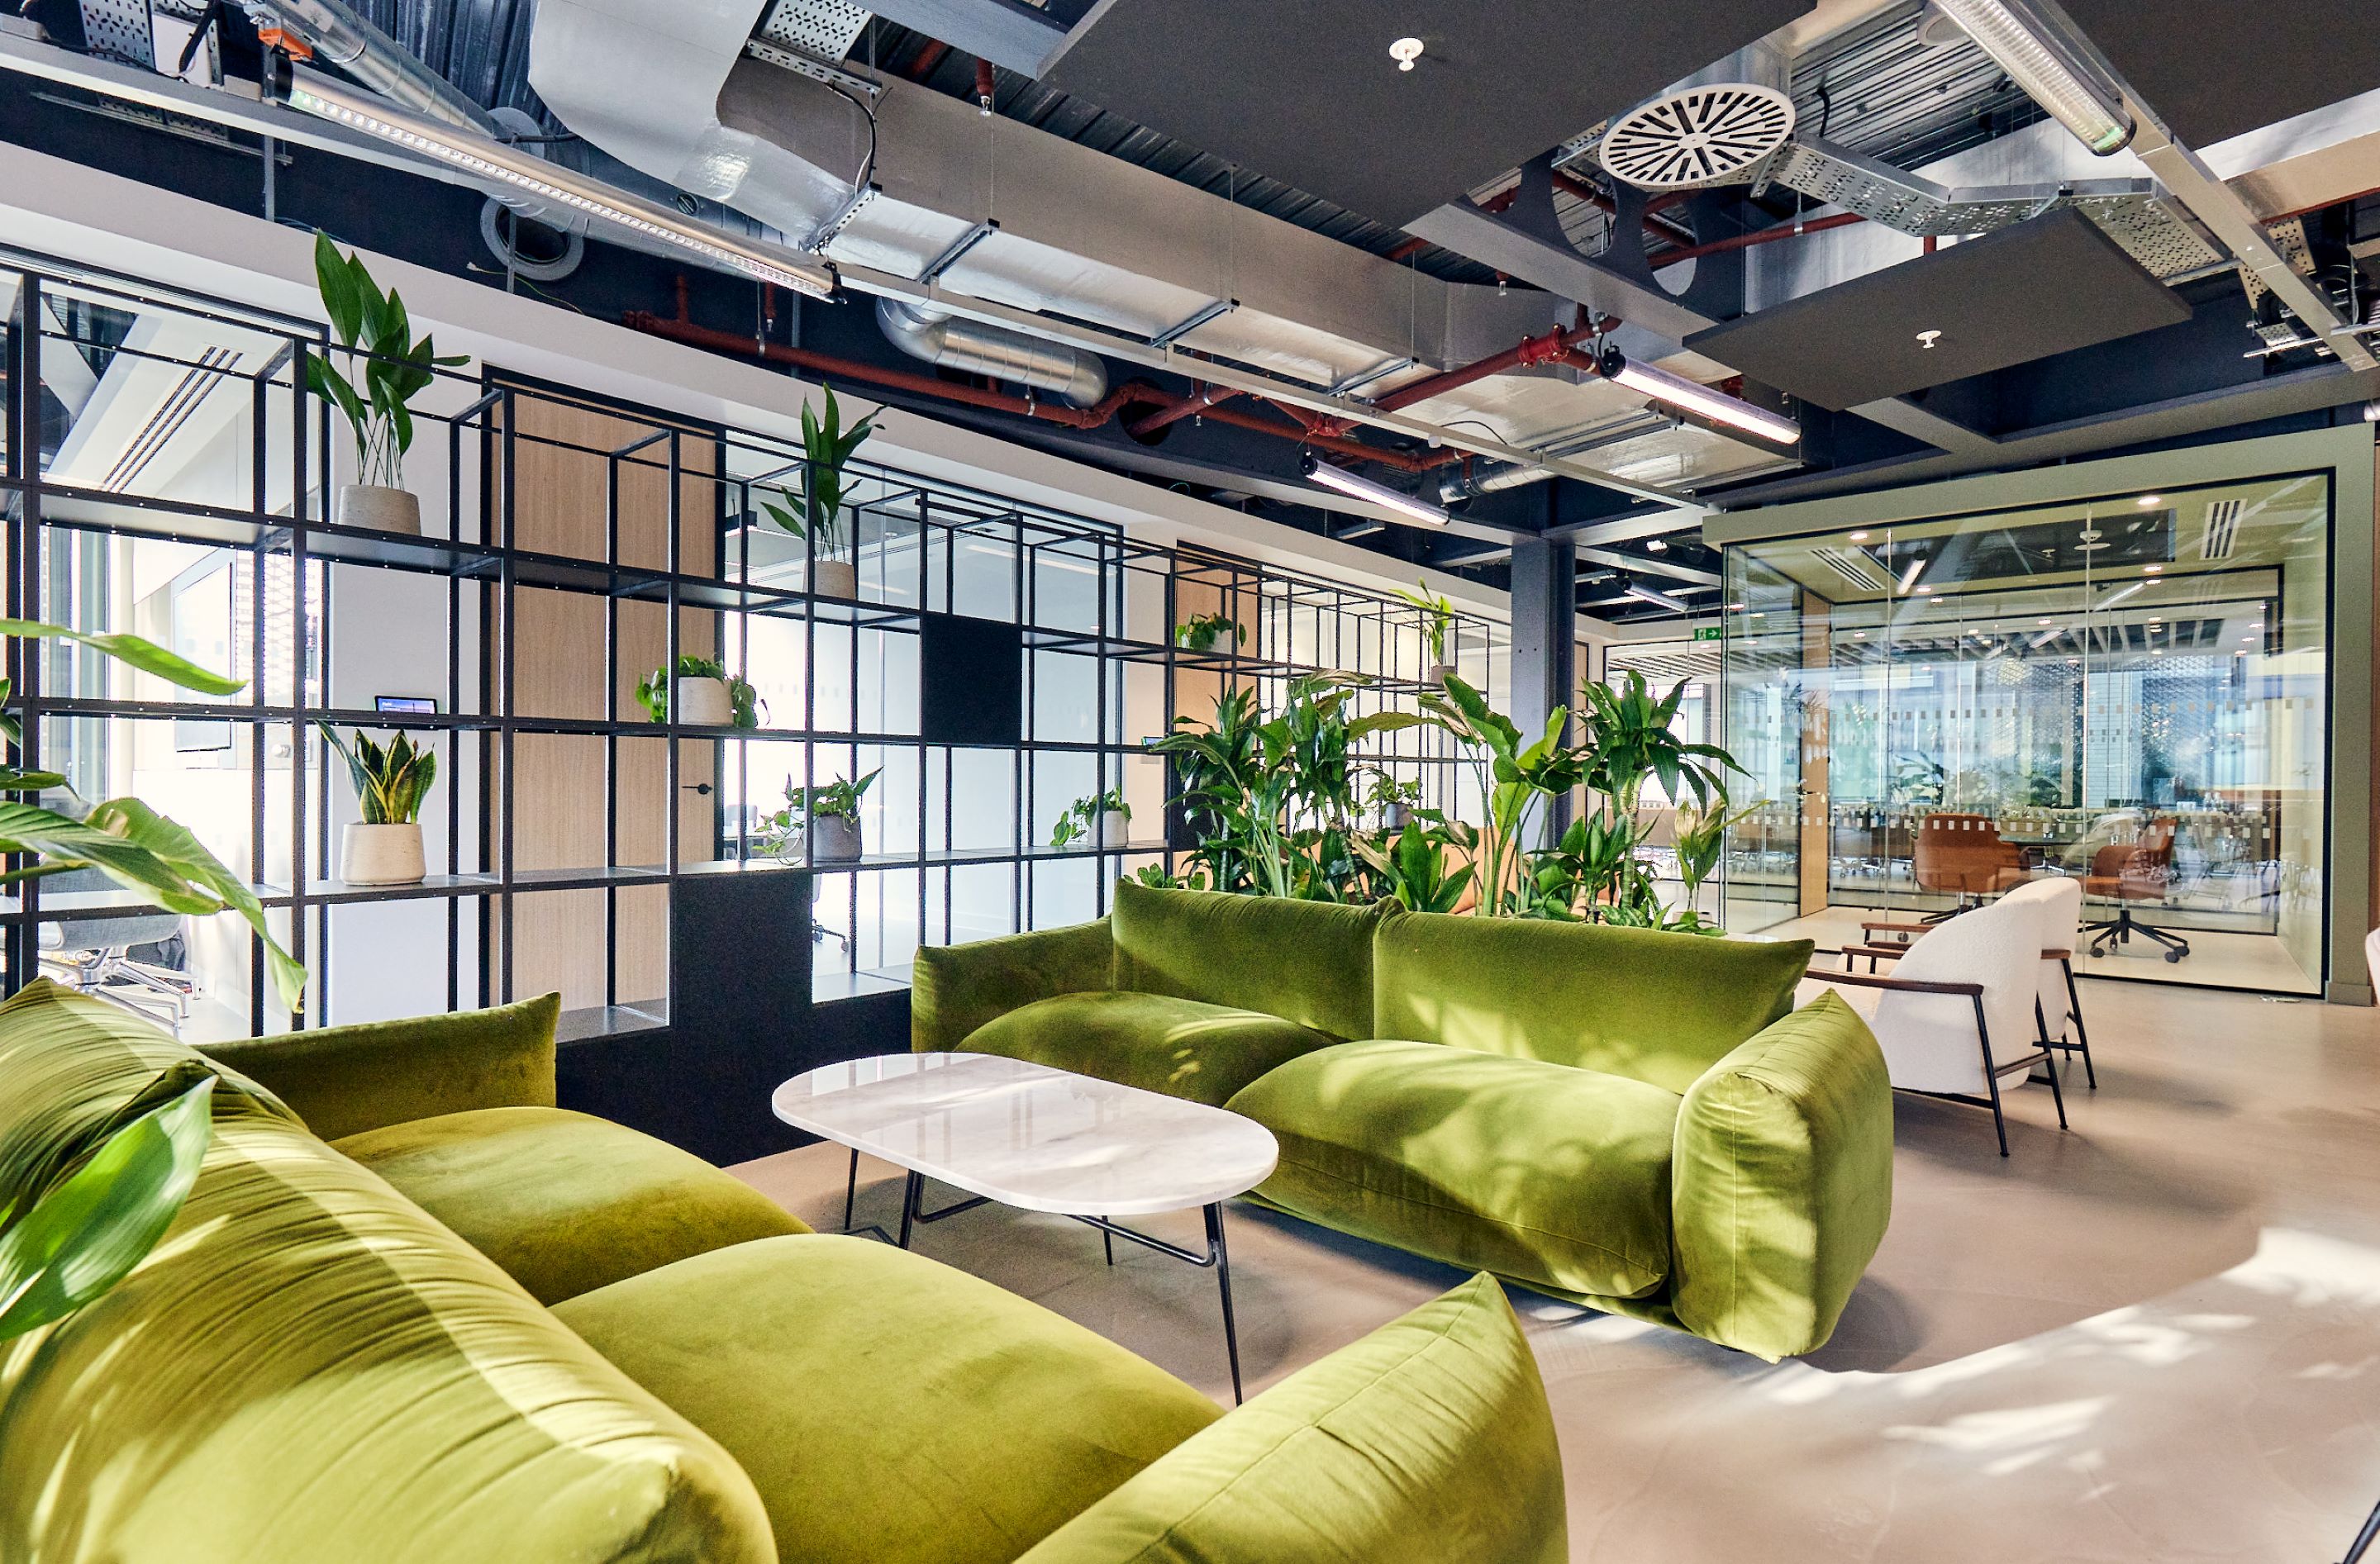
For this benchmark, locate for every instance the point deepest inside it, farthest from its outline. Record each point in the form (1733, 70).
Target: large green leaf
(145, 655)
(87, 1232)
(172, 846)
(336, 285)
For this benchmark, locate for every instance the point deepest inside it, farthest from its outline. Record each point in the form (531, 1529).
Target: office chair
(2134, 871)
(1962, 855)
(94, 954)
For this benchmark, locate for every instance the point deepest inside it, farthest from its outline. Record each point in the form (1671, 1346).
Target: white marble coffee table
(1040, 1139)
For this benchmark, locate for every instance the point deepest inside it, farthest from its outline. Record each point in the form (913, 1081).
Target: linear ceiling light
(2112, 598)
(1909, 576)
(477, 154)
(1716, 406)
(1361, 488)
(1659, 600)
(2052, 71)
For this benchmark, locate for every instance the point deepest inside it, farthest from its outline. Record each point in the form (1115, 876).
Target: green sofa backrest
(308, 1367)
(1307, 961)
(1657, 1008)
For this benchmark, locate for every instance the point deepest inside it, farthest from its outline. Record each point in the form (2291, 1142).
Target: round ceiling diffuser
(1702, 136)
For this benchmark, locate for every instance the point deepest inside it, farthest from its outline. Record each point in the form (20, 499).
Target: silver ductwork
(341, 37)
(979, 348)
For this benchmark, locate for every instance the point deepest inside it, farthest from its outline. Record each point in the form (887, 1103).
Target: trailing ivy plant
(836, 800)
(155, 858)
(743, 702)
(1081, 820)
(1201, 631)
(371, 327)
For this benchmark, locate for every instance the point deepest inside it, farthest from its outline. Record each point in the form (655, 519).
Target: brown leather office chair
(1962, 855)
(2125, 872)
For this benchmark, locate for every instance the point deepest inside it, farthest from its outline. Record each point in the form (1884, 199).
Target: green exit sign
(1709, 632)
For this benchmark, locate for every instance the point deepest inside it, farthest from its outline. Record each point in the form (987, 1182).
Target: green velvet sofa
(1637, 1121)
(412, 1312)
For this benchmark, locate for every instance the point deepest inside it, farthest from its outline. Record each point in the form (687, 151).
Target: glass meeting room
(2131, 690)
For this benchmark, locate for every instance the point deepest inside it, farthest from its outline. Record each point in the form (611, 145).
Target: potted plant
(821, 821)
(1105, 818)
(1437, 619)
(708, 696)
(816, 515)
(1204, 632)
(371, 327)
(1396, 800)
(384, 848)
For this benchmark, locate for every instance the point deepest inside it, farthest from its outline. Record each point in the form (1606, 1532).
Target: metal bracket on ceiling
(827, 230)
(958, 248)
(1372, 376)
(816, 70)
(1213, 309)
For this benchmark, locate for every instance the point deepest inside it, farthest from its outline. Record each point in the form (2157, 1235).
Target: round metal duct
(1698, 136)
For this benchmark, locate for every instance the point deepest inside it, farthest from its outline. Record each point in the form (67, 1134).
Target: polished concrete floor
(2155, 1336)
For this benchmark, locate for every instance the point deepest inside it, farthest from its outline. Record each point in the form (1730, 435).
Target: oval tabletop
(1031, 1136)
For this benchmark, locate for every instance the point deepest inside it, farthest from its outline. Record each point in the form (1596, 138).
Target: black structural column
(1545, 632)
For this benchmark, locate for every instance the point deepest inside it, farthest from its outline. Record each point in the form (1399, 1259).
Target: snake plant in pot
(377, 338)
(384, 847)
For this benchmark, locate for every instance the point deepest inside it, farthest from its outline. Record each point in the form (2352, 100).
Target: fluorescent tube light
(460, 148)
(1909, 576)
(1361, 488)
(2112, 598)
(1679, 392)
(2053, 72)
(1659, 600)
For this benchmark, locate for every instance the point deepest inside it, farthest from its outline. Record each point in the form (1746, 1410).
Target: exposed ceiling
(1305, 169)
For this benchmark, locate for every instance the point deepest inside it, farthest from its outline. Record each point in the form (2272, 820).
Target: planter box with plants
(820, 824)
(1210, 632)
(707, 696)
(817, 514)
(374, 332)
(1104, 822)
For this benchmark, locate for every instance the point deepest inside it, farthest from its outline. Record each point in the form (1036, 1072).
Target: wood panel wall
(560, 491)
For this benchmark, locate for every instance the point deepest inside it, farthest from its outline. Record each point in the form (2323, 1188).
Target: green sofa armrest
(956, 989)
(344, 1080)
(1782, 1182)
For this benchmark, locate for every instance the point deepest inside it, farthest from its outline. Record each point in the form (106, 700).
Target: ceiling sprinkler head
(1929, 338)
(1405, 51)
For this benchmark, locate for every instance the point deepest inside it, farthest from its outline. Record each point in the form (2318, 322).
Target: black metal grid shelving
(910, 528)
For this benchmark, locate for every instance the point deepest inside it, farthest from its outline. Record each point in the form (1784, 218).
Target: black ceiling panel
(2215, 69)
(1304, 91)
(2042, 288)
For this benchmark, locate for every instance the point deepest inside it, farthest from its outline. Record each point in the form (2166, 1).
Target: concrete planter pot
(834, 839)
(1434, 677)
(380, 508)
(1395, 819)
(1115, 829)
(704, 703)
(382, 855)
(836, 578)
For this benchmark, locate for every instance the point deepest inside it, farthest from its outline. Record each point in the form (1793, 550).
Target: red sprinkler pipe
(685, 331)
(1758, 236)
(1530, 350)
(927, 58)
(1196, 400)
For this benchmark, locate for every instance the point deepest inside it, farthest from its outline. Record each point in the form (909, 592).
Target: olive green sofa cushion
(344, 1080)
(308, 1368)
(564, 1202)
(1184, 1048)
(1306, 962)
(1428, 1442)
(955, 989)
(889, 1409)
(1783, 1182)
(1657, 1008)
(1555, 1176)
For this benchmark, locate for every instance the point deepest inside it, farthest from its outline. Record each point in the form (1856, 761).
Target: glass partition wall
(161, 473)
(2131, 691)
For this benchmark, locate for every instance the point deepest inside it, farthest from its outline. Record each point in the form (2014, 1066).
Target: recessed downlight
(2151, 502)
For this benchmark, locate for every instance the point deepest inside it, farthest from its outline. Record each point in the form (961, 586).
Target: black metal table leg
(850, 1189)
(916, 1183)
(1224, 1280)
